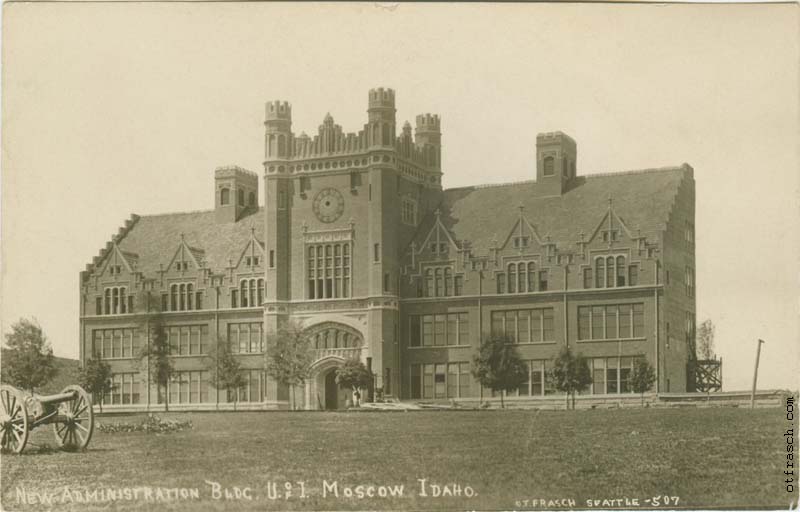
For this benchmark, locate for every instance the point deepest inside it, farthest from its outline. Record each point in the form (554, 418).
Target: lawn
(723, 457)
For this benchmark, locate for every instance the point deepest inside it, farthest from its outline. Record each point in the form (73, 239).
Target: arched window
(115, 296)
(620, 271)
(241, 197)
(610, 272)
(549, 166)
(600, 272)
(173, 297)
(189, 296)
(252, 285)
(225, 196)
(448, 282)
(429, 290)
(252, 199)
(107, 302)
(531, 277)
(512, 278)
(243, 293)
(122, 300)
(521, 273)
(260, 291)
(439, 287)
(182, 297)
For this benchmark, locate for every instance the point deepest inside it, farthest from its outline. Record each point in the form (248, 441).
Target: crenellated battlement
(381, 98)
(428, 123)
(278, 110)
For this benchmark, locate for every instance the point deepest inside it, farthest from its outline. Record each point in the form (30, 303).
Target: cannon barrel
(57, 398)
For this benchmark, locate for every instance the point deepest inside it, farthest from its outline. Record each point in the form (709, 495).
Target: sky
(110, 109)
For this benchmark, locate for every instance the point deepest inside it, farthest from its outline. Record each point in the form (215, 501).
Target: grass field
(705, 457)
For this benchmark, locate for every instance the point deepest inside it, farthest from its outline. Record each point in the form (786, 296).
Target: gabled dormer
(523, 238)
(251, 259)
(438, 244)
(186, 258)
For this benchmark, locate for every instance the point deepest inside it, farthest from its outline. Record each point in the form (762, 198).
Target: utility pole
(755, 375)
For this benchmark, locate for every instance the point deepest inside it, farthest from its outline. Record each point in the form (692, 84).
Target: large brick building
(360, 243)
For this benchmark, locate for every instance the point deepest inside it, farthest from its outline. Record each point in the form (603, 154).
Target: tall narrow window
(448, 281)
(458, 285)
(522, 276)
(531, 277)
(376, 252)
(543, 280)
(512, 278)
(429, 289)
(549, 166)
(633, 275)
(620, 271)
(438, 286)
(587, 278)
(501, 283)
(173, 298)
(224, 196)
(600, 272)
(610, 272)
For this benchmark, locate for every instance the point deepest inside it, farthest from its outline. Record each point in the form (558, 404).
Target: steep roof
(480, 214)
(156, 237)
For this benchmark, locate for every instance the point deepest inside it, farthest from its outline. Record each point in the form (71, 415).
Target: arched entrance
(333, 343)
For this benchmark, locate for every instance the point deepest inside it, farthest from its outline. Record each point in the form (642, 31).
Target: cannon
(70, 413)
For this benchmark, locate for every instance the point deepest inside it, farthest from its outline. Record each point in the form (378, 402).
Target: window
(521, 241)
(224, 196)
(633, 275)
(440, 282)
(537, 383)
(611, 271)
(449, 329)
(501, 283)
(187, 340)
(587, 278)
(689, 281)
(246, 338)
(252, 199)
(386, 281)
(409, 212)
(182, 297)
(689, 234)
(549, 166)
(115, 301)
(116, 343)
(543, 280)
(525, 325)
(254, 388)
(249, 295)
(689, 329)
(376, 252)
(622, 321)
(124, 390)
(282, 200)
(240, 196)
(328, 271)
(189, 387)
(272, 258)
(611, 375)
(440, 380)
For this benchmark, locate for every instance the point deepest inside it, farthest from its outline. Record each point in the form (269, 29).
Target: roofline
(651, 170)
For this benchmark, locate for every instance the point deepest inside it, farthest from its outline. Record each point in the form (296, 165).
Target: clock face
(328, 205)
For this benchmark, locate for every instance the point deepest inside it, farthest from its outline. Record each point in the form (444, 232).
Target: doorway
(331, 391)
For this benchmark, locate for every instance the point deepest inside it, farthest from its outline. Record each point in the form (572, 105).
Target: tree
(226, 372)
(289, 357)
(95, 377)
(354, 375)
(643, 376)
(497, 365)
(155, 354)
(30, 360)
(705, 340)
(570, 373)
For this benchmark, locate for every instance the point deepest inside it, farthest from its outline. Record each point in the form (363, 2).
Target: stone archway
(333, 343)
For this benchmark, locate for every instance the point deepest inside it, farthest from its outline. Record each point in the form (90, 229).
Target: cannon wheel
(74, 430)
(13, 420)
